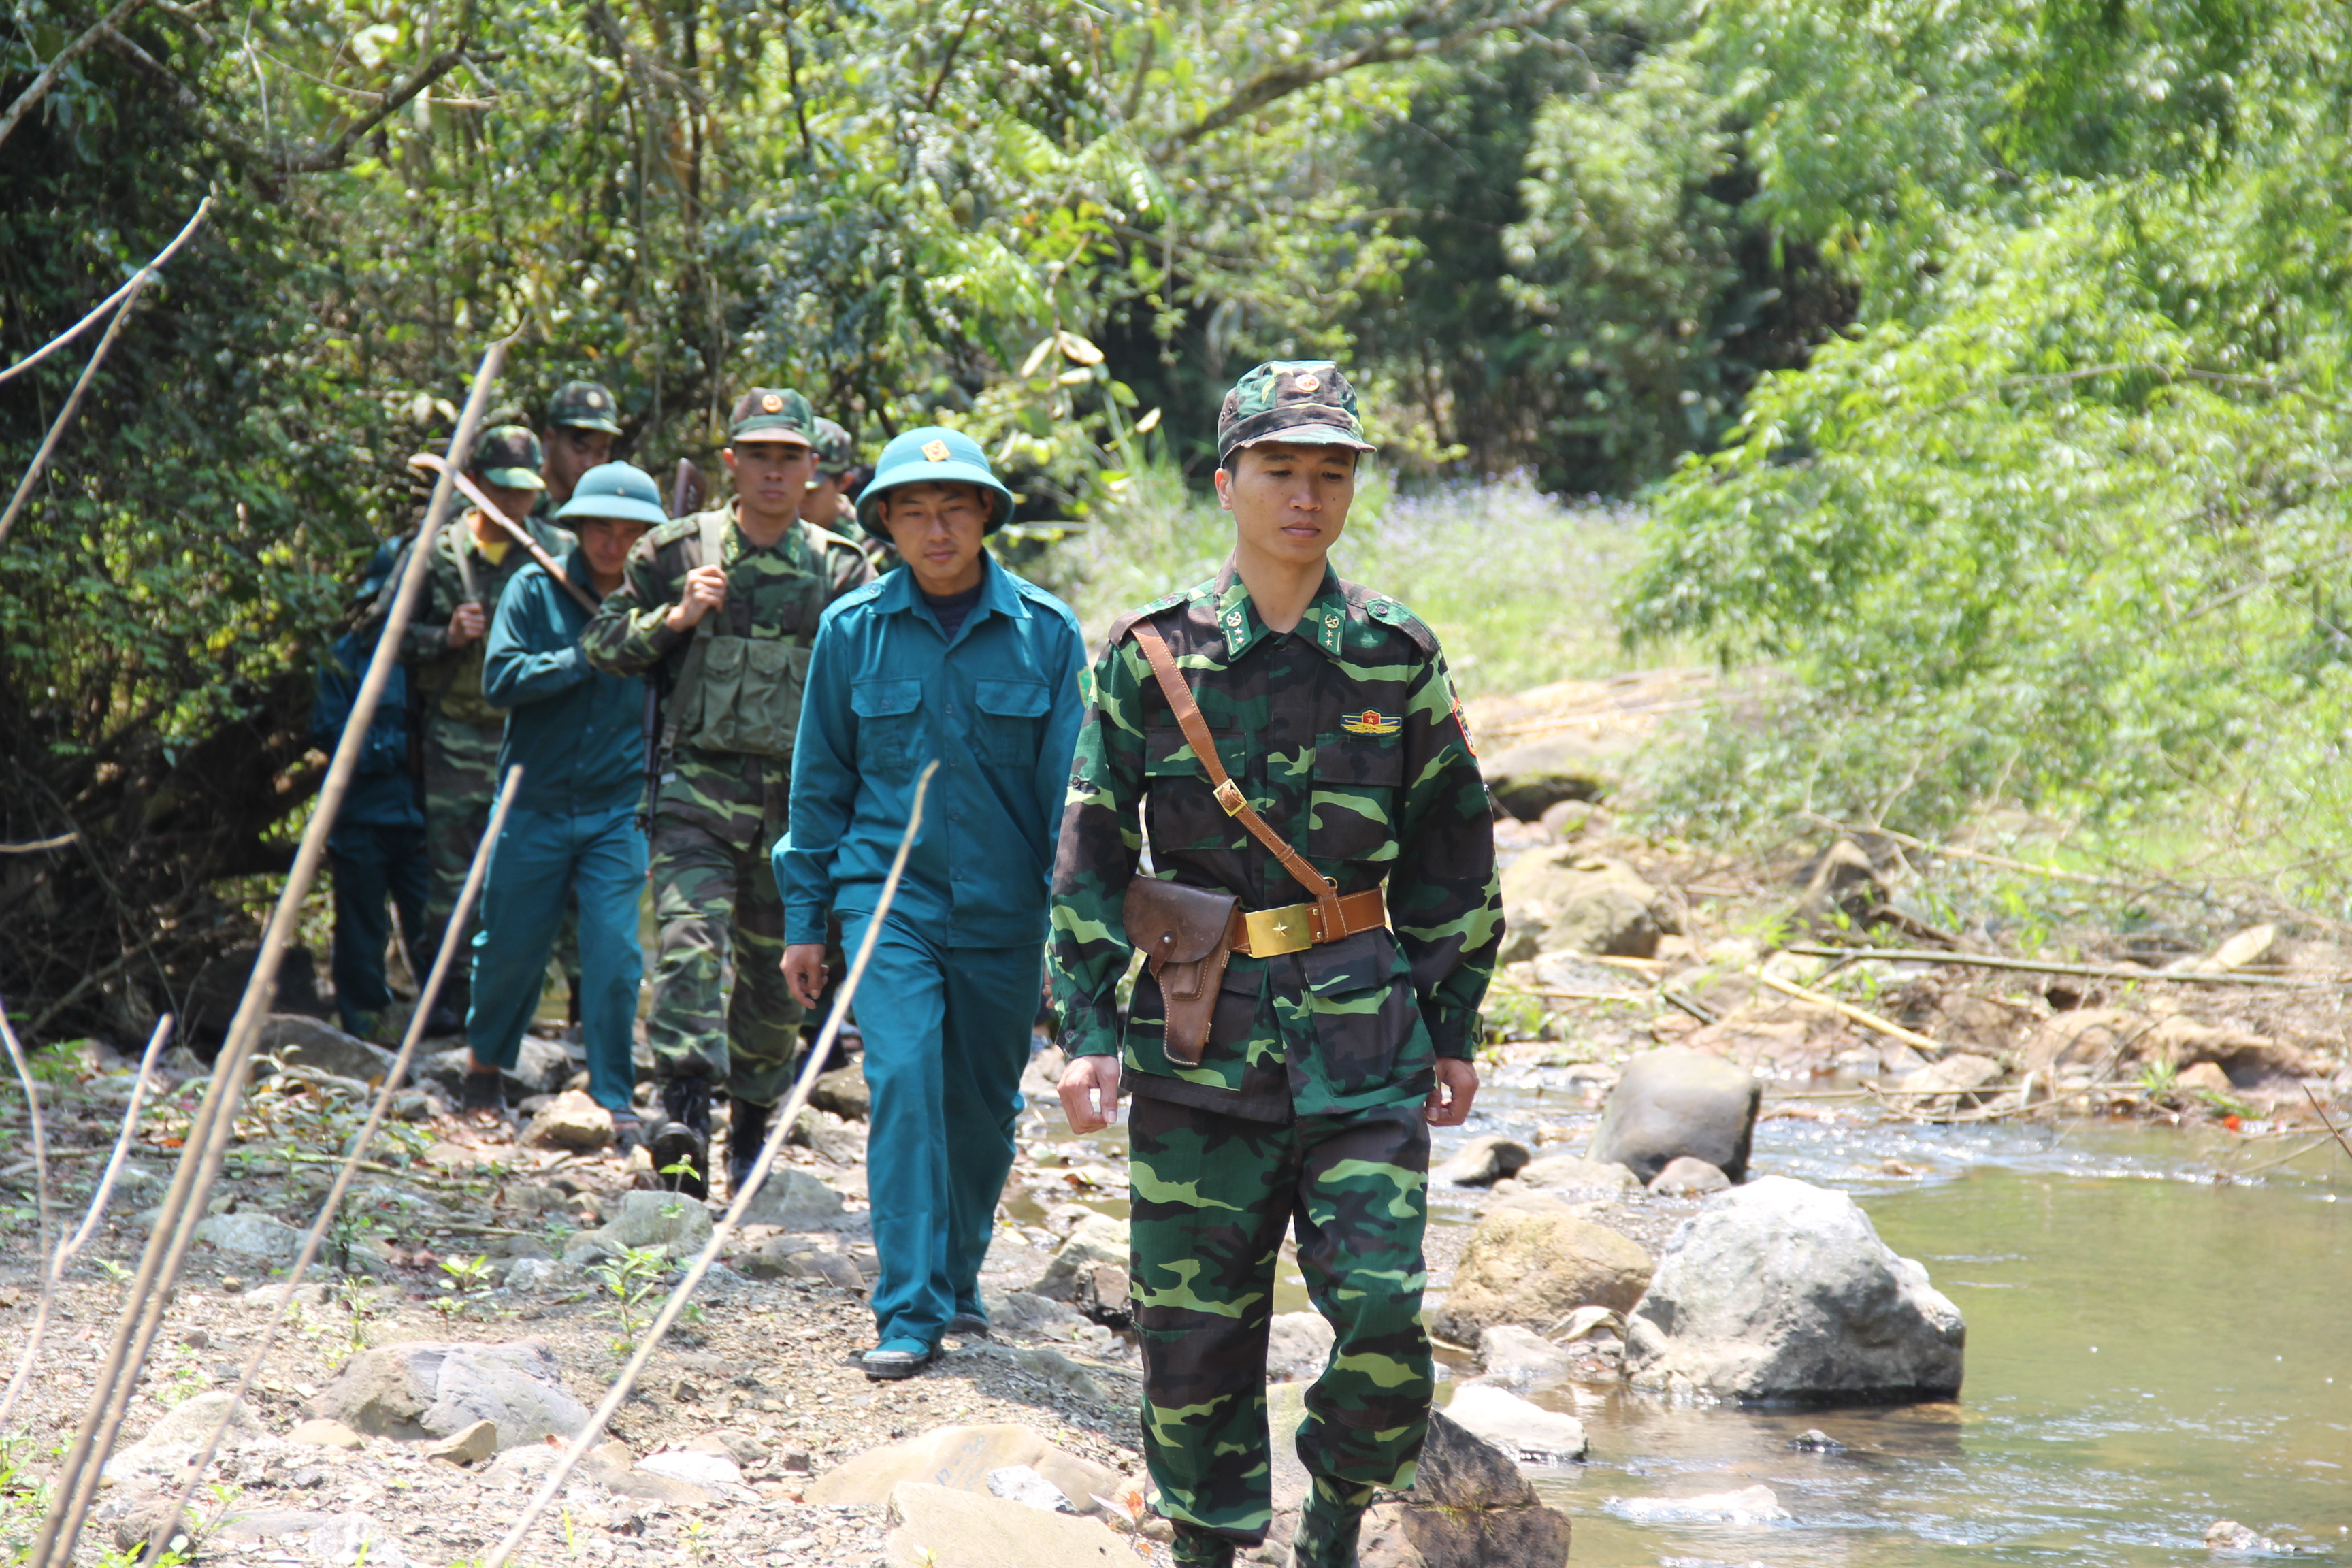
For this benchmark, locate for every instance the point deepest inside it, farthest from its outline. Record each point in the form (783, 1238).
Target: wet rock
(793, 1199)
(297, 1041)
(962, 1457)
(2228, 1538)
(1567, 1173)
(1528, 779)
(1676, 1100)
(318, 1433)
(468, 1446)
(1089, 1271)
(418, 1390)
(1588, 903)
(944, 1527)
(570, 1121)
(1583, 1323)
(1299, 1346)
(1469, 1507)
(1814, 1440)
(1948, 1085)
(1685, 1177)
(1751, 1505)
(681, 1226)
(842, 1092)
(1533, 1262)
(1778, 1290)
(1025, 1312)
(1481, 1163)
(1021, 1484)
(1536, 1437)
(1511, 1355)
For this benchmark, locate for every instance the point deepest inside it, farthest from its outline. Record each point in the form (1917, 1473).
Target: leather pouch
(1185, 935)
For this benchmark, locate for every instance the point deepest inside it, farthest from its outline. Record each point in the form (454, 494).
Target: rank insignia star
(1371, 722)
(937, 451)
(772, 403)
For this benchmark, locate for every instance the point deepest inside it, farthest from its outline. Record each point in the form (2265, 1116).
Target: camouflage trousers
(461, 785)
(717, 904)
(1212, 1194)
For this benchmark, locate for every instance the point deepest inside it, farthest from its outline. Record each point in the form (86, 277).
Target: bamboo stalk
(1868, 1020)
(2039, 966)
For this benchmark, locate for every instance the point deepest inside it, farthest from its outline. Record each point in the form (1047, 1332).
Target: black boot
(681, 1145)
(747, 1129)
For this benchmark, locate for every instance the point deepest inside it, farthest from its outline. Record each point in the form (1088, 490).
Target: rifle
(686, 489)
(686, 492)
(490, 509)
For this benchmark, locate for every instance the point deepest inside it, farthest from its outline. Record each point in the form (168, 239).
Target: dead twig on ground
(786, 1115)
(2040, 966)
(1868, 1020)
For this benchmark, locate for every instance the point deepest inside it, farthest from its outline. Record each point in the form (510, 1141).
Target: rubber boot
(1329, 1523)
(1196, 1548)
(746, 1131)
(681, 1145)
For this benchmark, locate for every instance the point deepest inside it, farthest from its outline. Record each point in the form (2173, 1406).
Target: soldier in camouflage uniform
(730, 639)
(829, 504)
(1327, 1061)
(443, 648)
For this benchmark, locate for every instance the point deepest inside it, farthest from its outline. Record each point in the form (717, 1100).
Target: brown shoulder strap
(1229, 794)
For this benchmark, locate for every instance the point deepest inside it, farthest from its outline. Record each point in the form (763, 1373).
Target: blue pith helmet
(622, 490)
(932, 455)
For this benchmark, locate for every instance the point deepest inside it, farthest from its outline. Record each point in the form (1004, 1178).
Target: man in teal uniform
(956, 661)
(1277, 705)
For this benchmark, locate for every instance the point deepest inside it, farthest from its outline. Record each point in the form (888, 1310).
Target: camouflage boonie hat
(836, 453)
(770, 414)
(584, 406)
(1303, 400)
(510, 457)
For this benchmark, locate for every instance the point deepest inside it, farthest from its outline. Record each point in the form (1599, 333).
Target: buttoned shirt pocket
(1011, 725)
(1360, 996)
(889, 723)
(1352, 813)
(1184, 810)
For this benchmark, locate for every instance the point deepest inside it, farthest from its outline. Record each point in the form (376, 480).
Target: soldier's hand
(1091, 1093)
(1448, 1104)
(466, 624)
(706, 590)
(803, 968)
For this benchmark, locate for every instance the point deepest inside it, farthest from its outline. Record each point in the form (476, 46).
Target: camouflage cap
(508, 456)
(836, 453)
(584, 406)
(1306, 401)
(769, 413)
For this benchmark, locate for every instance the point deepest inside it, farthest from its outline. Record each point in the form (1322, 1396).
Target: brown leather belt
(1293, 927)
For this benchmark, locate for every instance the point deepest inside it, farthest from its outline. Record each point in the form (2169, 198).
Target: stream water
(2159, 1335)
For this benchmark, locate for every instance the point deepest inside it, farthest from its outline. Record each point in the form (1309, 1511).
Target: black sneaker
(746, 1131)
(628, 1133)
(681, 1145)
(484, 1096)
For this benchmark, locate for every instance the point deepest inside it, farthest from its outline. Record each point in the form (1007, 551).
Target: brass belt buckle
(1284, 930)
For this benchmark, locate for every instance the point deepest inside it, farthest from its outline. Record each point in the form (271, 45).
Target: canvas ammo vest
(737, 693)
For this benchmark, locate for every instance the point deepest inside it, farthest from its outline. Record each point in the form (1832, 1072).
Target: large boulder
(1783, 1291)
(1481, 1163)
(1511, 1355)
(418, 1390)
(297, 1041)
(1531, 1261)
(1675, 1101)
(1587, 903)
(1528, 779)
(1538, 1437)
(944, 1527)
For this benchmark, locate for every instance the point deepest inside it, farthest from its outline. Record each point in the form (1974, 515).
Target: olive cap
(620, 490)
(836, 453)
(510, 457)
(771, 414)
(932, 455)
(1308, 401)
(584, 406)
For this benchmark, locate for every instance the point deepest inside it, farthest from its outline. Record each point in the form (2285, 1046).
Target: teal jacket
(578, 734)
(998, 707)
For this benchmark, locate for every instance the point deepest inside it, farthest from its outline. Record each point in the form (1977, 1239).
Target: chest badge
(1370, 722)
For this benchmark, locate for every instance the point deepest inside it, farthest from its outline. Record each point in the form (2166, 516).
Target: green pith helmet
(836, 453)
(508, 456)
(771, 414)
(584, 406)
(1308, 401)
(932, 455)
(622, 490)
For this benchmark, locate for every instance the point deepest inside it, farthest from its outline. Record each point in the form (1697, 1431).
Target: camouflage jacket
(774, 594)
(1346, 737)
(450, 679)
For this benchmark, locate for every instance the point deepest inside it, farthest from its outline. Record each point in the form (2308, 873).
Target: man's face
(771, 477)
(607, 542)
(571, 452)
(821, 503)
(511, 499)
(1289, 502)
(938, 529)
